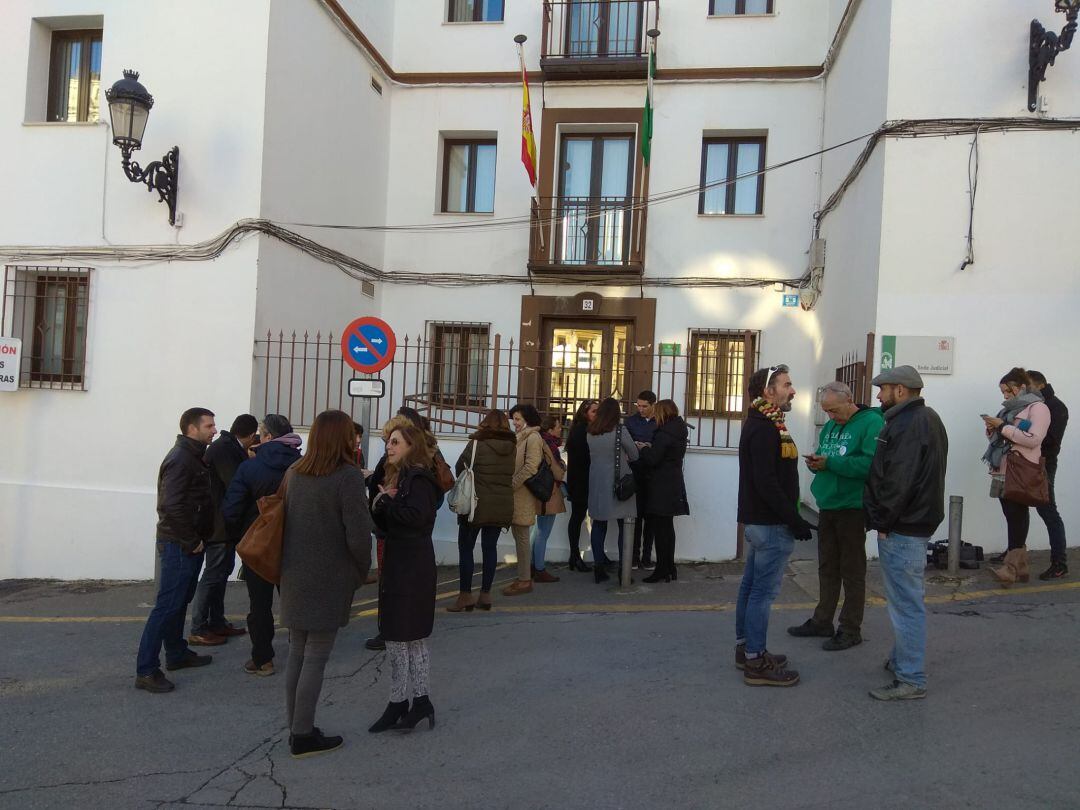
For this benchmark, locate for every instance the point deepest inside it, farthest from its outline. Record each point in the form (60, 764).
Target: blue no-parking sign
(368, 345)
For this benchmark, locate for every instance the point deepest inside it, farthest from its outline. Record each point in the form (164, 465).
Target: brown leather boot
(1006, 574)
(483, 601)
(767, 671)
(465, 601)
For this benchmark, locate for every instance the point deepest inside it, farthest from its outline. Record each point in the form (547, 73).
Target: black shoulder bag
(625, 487)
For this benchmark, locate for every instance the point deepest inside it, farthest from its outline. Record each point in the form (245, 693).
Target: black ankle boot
(421, 708)
(578, 564)
(393, 713)
(308, 745)
(599, 574)
(657, 575)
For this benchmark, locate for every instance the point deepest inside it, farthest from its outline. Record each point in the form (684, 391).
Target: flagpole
(652, 34)
(520, 40)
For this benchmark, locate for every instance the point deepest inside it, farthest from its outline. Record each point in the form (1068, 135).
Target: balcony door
(584, 360)
(595, 205)
(603, 28)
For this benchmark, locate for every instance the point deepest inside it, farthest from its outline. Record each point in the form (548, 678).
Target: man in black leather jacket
(905, 503)
(185, 522)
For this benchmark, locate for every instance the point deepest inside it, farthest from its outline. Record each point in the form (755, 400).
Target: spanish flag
(528, 144)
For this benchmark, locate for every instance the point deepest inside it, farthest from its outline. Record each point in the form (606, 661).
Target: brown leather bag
(260, 548)
(1026, 482)
(444, 476)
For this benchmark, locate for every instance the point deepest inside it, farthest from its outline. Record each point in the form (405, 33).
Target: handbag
(625, 485)
(260, 547)
(444, 476)
(462, 498)
(541, 483)
(1025, 481)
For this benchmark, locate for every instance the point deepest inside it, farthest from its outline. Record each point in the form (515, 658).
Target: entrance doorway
(585, 359)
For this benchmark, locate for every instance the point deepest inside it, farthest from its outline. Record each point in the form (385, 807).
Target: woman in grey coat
(603, 505)
(326, 553)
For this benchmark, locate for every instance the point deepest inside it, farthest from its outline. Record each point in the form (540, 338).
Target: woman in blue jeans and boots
(604, 431)
(490, 453)
(551, 433)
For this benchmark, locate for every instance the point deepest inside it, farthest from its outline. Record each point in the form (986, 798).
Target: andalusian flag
(647, 114)
(528, 143)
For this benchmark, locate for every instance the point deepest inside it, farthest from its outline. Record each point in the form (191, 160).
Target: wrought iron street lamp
(129, 109)
(1046, 45)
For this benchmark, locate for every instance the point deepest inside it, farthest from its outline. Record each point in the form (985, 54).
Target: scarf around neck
(776, 416)
(999, 446)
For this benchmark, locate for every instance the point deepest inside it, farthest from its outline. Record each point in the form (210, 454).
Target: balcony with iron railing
(596, 38)
(588, 236)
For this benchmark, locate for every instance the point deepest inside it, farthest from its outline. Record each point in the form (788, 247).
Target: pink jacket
(1028, 442)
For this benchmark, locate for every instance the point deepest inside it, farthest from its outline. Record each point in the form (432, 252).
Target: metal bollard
(956, 524)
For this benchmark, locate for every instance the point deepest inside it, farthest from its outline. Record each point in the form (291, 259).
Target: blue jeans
(489, 541)
(1055, 526)
(541, 533)
(767, 552)
(165, 624)
(208, 612)
(599, 534)
(903, 561)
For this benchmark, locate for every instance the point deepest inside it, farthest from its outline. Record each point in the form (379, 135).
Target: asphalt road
(575, 696)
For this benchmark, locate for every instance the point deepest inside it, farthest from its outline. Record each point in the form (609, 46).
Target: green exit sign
(670, 349)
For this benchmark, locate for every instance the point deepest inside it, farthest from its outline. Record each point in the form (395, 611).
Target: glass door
(604, 28)
(585, 360)
(594, 199)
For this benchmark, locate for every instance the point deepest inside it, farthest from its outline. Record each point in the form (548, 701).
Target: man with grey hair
(905, 503)
(841, 465)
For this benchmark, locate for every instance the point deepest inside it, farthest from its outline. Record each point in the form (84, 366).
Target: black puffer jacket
(184, 507)
(1059, 420)
(666, 493)
(407, 581)
(493, 472)
(577, 463)
(905, 492)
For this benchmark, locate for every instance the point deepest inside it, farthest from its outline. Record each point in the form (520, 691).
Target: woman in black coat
(577, 478)
(666, 497)
(405, 511)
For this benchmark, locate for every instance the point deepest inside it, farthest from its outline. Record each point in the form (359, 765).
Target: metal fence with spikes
(460, 371)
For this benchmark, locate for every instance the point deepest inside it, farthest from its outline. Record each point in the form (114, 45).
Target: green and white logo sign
(888, 352)
(928, 355)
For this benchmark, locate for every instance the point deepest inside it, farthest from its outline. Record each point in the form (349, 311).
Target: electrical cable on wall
(973, 186)
(355, 268)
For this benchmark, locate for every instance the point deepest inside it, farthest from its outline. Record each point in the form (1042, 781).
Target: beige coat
(530, 449)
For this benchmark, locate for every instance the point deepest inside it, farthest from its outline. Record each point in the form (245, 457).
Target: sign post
(10, 357)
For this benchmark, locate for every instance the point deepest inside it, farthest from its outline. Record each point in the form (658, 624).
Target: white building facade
(401, 122)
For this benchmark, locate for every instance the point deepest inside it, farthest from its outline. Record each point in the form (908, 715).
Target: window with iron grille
(75, 76)
(47, 308)
(724, 159)
(717, 372)
(459, 363)
(731, 7)
(475, 11)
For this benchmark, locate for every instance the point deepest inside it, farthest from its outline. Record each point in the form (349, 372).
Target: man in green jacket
(841, 465)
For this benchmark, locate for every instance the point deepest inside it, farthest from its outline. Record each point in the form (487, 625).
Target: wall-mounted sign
(588, 303)
(670, 349)
(10, 356)
(791, 299)
(366, 388)
(928, 355)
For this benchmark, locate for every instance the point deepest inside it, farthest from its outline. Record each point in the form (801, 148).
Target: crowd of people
(874, 469)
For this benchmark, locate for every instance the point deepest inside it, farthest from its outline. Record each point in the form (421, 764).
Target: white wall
(1012, 307)
(79, 469)
(77, 479)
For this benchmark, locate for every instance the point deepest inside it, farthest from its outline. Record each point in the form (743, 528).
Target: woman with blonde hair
(405, 511)
(326, 553)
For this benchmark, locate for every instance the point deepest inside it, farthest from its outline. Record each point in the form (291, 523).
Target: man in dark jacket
(257, 477)
(185, 522)
(769, 512)
(1051, 447)
(642, 427)
(905, 503)
(229, 451)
